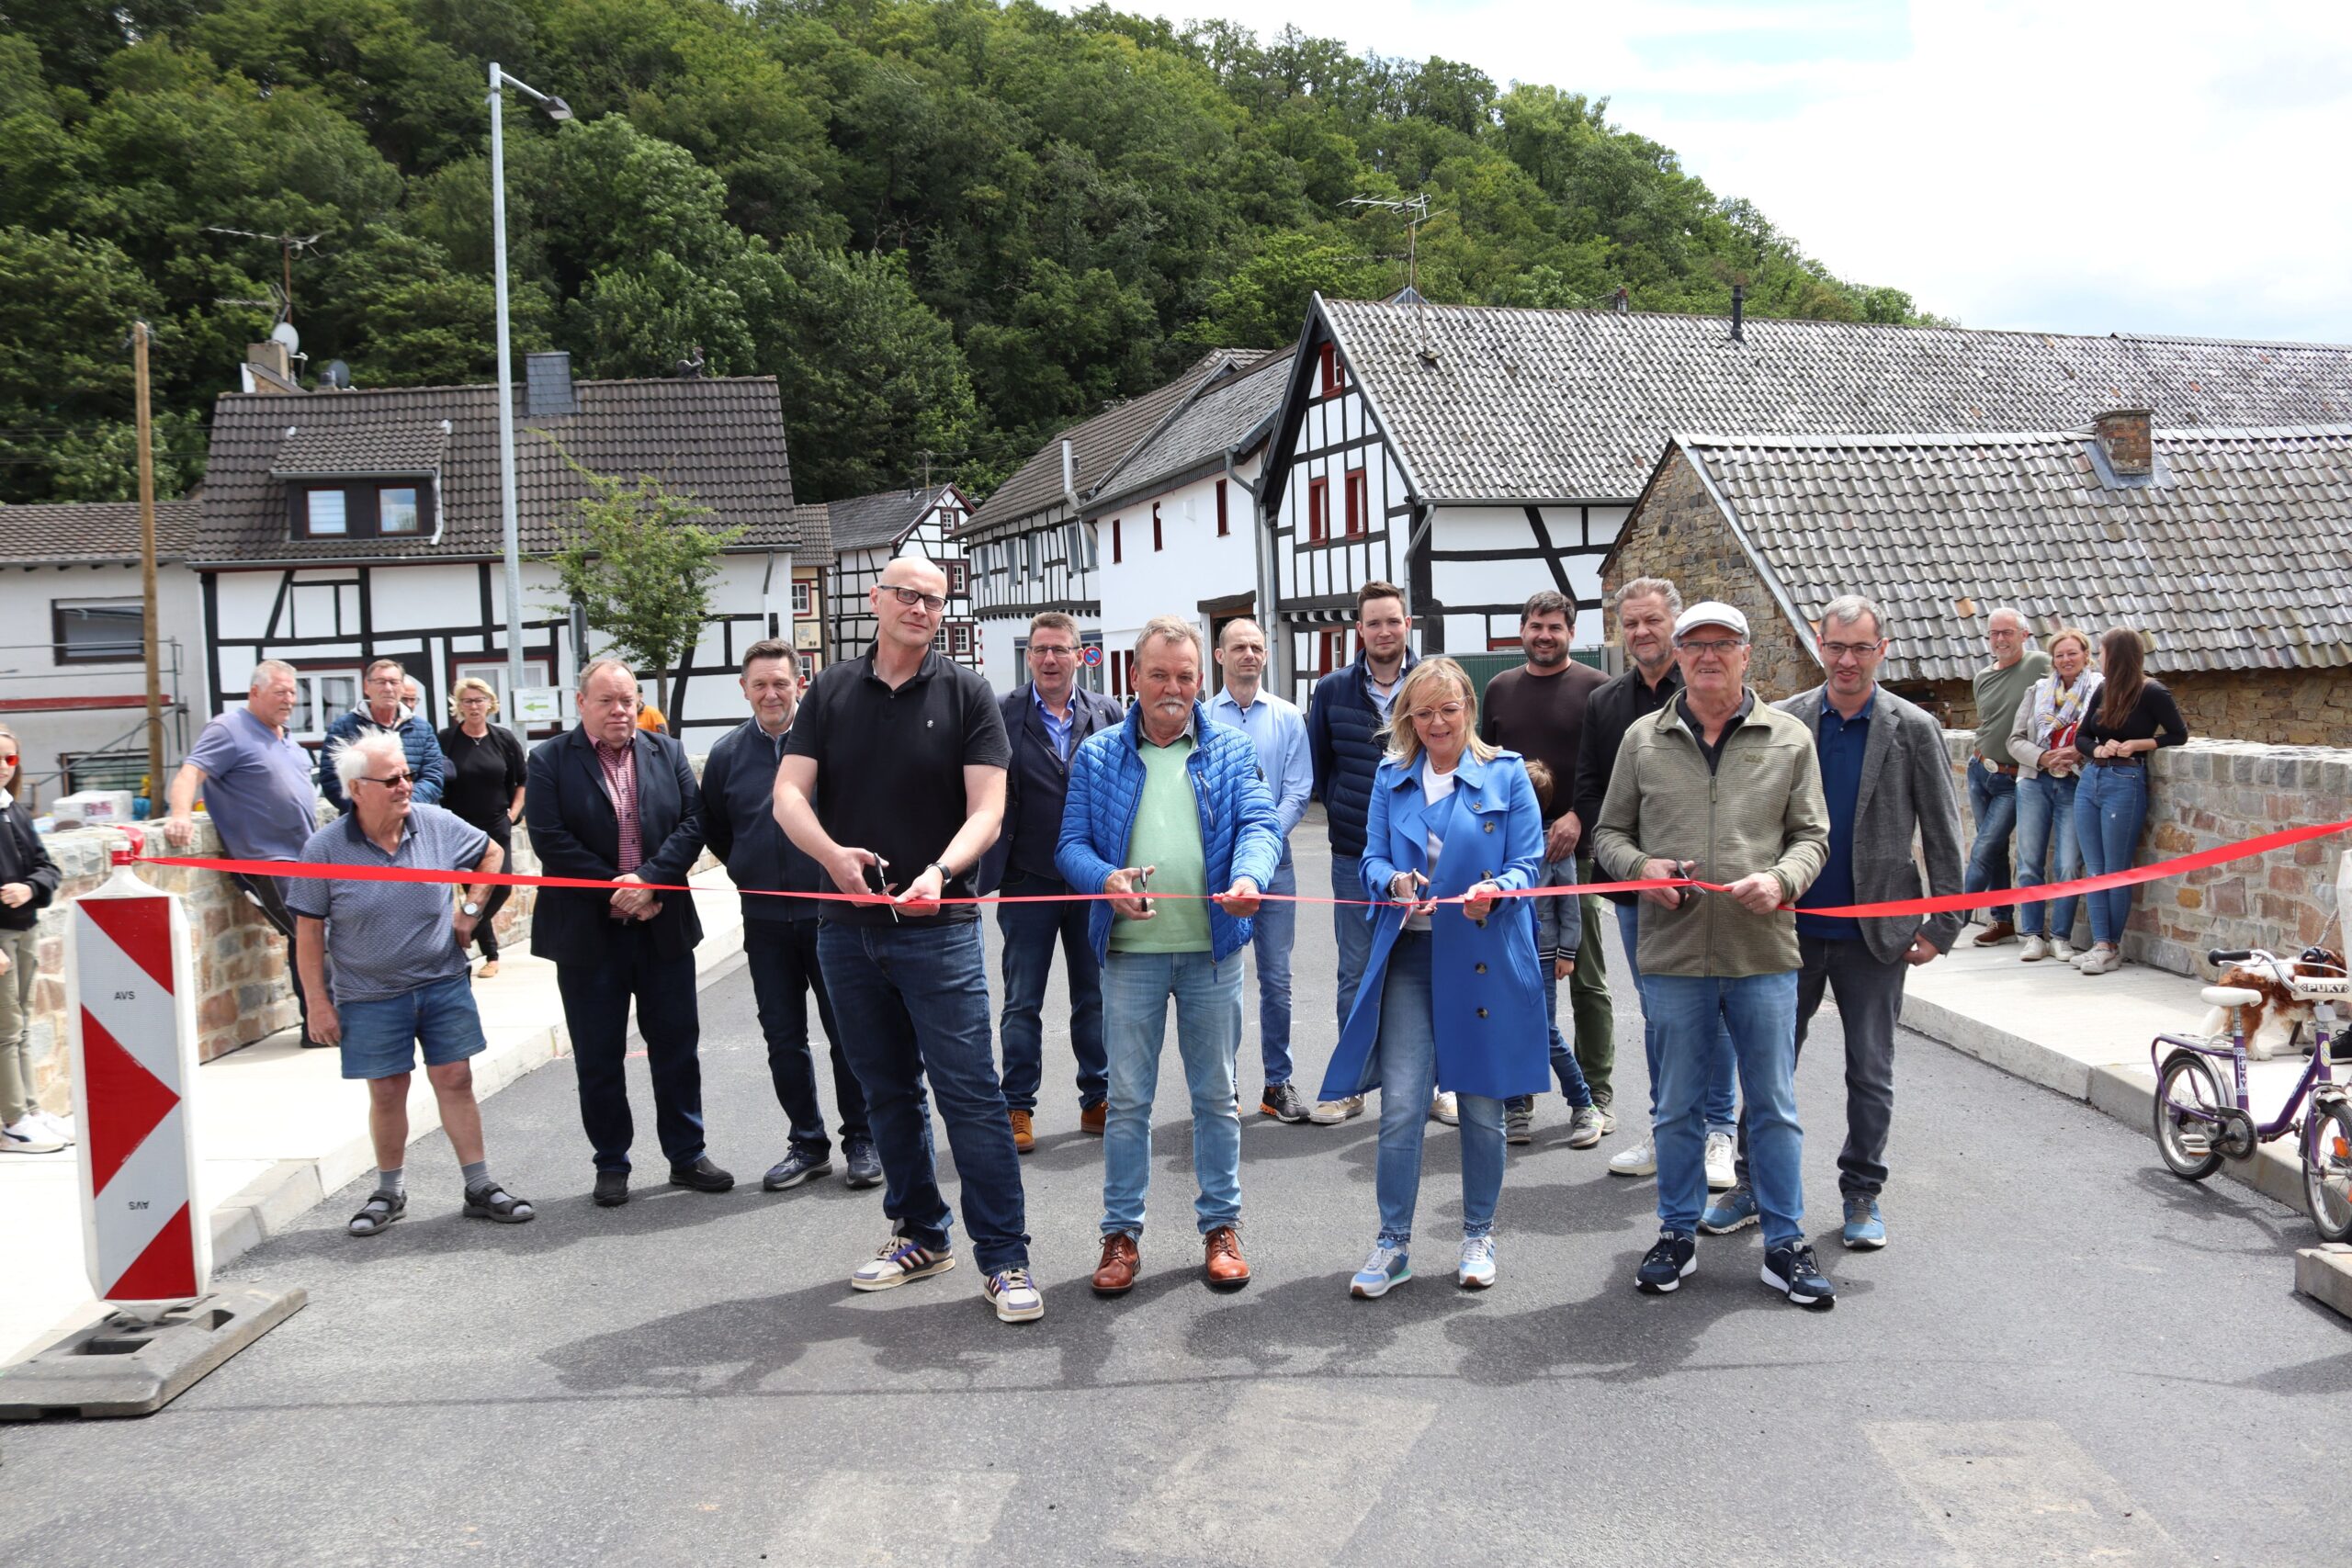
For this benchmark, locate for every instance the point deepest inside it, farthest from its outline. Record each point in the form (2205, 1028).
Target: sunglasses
(390, 780)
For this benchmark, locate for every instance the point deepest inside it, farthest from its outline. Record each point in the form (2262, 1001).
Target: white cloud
(2093, 168)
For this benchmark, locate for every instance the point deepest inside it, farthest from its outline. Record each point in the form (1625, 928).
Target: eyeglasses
(1718, 646)
(391, 780)
(1446, 711)
(1047, 651)
(1842, 649)
(933, 602)
(2005, 633)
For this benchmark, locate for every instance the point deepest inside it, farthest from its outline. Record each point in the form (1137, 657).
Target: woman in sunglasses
(28, 881)
(1452, 998)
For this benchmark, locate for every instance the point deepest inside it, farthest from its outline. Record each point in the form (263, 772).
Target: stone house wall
(2277, 707)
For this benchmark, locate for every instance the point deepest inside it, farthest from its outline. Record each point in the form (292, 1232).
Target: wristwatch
(946, 875)
(469, 909)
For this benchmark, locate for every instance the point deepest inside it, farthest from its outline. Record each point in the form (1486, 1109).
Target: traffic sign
(1092, 655)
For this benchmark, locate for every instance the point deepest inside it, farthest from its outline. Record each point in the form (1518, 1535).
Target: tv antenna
(1416, 211)
(288, 244)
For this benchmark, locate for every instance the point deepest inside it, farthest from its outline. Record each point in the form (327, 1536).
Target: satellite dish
(284, 333)
(338, 375)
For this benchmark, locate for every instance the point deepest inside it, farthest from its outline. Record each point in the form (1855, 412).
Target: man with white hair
(1992, 772)
(257, 789)
(401, 985)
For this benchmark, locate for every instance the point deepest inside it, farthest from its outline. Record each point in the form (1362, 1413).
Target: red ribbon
(2244, 849)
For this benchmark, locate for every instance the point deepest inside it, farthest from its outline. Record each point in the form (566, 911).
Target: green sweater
(1167, 834)
(1998, 692)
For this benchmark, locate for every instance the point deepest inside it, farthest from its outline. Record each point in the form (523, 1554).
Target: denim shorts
(381, 1038)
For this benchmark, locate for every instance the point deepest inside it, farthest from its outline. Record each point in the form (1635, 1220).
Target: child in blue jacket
(1559, 927)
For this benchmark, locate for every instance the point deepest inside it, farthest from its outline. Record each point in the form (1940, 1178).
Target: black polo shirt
(890, 768)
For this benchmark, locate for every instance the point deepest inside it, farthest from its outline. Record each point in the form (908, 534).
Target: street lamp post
(556, 110)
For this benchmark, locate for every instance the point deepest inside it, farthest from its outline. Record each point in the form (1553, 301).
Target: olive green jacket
(1761, 810)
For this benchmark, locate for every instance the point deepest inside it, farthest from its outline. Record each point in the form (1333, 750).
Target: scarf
(2058, 711)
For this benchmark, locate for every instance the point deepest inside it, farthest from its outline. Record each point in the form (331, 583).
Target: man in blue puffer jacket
(380, 709)
(1172, 800)
(1344, 719)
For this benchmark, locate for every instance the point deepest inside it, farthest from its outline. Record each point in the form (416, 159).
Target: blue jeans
(2046, 851)
(1760, 1011)
(1350, 929)
(1137, 987)
(781, 957)
(595, 1011)
(916, 1002)
(1407, 1058)
(1573, 1088)
(1993, 798)
(2111, 804)
(1272, 936)
(1721, 1105)
(1029, 932)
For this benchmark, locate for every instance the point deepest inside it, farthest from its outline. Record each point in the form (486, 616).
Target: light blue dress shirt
(1278, 730)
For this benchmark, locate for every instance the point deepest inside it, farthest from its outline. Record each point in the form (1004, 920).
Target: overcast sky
(2073, 165)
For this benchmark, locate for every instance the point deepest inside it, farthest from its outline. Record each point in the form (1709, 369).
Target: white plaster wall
(29, 674)
(1193, 564)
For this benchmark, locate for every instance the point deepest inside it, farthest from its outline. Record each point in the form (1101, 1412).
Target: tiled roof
(812, 519)
(720, 440)
(1548, 405)
(2236, 559)
(1097, 445)
(82, 533)
(310, 451)
(1218, 419)
(862, 522)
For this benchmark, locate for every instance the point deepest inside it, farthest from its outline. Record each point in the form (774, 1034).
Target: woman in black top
(485, 787)
(28, 881)
(2133, 717)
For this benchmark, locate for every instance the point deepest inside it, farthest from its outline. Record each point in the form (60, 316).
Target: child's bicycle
(2198, 1126)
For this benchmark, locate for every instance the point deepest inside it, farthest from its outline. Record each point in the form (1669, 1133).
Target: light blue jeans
(1993, 799)
(1722, 1103)
(1136, 990)
(1271, 935)
(1760, 1011)
(2110, 806)
(2046, 842)
(1407, 1058)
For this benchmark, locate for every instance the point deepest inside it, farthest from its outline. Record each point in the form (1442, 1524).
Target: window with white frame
(803, 598)
(321, 697)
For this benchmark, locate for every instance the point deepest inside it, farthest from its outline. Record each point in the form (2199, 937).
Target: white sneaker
(58, 1127)
(1445, 1108)
(2034, 950)
(2062, 950)
(1476, 1271)
(1721, 1176)
(1331, 1112)
(28, 1138)
(2101, 961)
(1640, 1159)
(1014, 1295)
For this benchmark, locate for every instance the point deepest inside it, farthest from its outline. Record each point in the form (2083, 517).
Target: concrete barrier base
(127, 1366)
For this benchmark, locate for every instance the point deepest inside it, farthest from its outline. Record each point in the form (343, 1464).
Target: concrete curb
(2325, 1274)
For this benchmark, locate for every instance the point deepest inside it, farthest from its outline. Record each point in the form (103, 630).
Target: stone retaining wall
(2210, 793)
(243, 992)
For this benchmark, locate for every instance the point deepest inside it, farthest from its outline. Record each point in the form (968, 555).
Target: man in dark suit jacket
(610, 801)
(1888, 781)
(1045, 719)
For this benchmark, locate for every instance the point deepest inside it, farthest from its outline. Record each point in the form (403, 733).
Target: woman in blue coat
(1452, 998)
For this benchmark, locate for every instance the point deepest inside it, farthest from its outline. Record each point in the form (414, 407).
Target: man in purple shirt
(258, 791)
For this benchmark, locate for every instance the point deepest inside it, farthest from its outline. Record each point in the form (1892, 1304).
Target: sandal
(494, 1203)
(380, 1209)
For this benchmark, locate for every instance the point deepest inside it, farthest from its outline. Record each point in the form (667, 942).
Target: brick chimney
(268, 368)
(2123, 438)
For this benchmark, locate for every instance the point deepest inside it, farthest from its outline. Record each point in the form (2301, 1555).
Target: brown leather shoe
(1115, 1275)
(1090, 1119)
(1023, 1138)
(1222, 1263)
(1997, 933)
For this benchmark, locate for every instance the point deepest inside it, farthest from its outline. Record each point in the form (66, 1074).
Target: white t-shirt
(1436, 788)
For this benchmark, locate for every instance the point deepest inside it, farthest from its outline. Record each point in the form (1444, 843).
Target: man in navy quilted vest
(1169, 803)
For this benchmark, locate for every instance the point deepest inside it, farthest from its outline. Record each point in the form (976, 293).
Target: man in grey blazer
(1889, 783)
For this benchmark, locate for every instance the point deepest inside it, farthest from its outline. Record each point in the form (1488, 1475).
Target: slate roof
(92, 532)
(1557, 405)
(337, 450)
(1221, 417)
(721, 439)
(1097, 445)
(812, 521)
(865, 522)
(2236, 559)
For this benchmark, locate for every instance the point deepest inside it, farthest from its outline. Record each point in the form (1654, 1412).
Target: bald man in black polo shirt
(894, 771)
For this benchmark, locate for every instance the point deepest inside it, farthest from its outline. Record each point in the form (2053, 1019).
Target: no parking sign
(1092, 654)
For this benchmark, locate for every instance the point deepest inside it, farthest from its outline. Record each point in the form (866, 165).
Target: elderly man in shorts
(399, 958)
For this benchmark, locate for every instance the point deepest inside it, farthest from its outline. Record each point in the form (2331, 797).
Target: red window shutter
(1328, 363)
(1319, 511)
(1223, 524)
(1155, 526)
(1115, 553)
(1355, 500)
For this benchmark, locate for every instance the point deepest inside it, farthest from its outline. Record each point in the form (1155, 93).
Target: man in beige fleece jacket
(1725, 789)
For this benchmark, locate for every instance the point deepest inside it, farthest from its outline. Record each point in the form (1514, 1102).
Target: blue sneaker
(795, 1168)
(1734, 1210)
(1672, 1260)
(1386, 1267)
(1865, 1231)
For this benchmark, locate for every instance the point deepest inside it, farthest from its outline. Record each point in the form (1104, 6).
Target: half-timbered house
(868, 533)
(1474, 454)
(342, 526)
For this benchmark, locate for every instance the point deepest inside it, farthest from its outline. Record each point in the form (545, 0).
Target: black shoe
(864, 1165)
(1284, 1103)
(1791, 1271)
(702, 1176)
(612, 1189)
(1664, 1266)
(797, 1166)
(318, 1045)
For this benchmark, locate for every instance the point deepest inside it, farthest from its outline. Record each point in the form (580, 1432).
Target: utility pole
(139, 336)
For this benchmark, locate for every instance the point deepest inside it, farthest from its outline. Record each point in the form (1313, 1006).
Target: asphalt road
(2065, 1354)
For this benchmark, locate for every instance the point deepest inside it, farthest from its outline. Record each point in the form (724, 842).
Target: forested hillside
(948, 225)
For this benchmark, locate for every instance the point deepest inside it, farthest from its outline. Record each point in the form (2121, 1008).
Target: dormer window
(361, 509)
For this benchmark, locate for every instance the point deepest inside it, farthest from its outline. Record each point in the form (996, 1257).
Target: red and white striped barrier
(131, 998)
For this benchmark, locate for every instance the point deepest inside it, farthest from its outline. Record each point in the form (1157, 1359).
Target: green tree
(639, 566)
